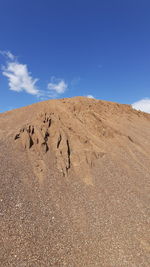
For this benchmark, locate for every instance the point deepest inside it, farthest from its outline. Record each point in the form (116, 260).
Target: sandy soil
(75, 185)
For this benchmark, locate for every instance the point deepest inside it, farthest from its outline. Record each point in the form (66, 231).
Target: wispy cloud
(57, 86)
(90, 96)
(7, 54)
(19, 78)
(143, 105)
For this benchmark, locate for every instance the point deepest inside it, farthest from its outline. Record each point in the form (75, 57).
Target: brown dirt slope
(74, 185)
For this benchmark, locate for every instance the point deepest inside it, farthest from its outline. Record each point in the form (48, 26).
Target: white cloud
(20, 78)
(57, 86)
(8, 54)
(90, 96)
(143, 105)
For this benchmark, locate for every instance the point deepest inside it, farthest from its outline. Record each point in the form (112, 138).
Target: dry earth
(74, 185)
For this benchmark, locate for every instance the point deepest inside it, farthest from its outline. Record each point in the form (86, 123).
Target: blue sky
(64, 48)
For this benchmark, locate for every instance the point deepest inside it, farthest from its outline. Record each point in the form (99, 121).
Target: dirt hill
(74, 185)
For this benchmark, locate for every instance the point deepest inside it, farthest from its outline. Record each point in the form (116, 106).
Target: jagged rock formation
(74, 185)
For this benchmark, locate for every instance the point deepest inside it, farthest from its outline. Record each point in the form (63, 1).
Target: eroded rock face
(44, 135)
(35, 134)
(72, 148)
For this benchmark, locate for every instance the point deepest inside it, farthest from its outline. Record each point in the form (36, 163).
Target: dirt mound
(74, 135)
(74, 184)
